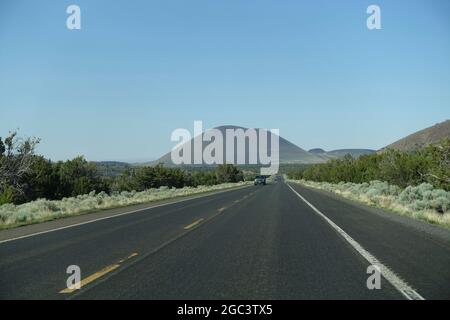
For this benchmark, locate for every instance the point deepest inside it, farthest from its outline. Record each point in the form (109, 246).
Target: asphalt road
(259, 242)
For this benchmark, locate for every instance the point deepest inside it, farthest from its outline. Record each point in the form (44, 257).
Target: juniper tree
(16, 159)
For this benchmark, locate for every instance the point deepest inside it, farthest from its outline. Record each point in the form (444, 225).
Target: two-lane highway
(262, 242)
(35, 267)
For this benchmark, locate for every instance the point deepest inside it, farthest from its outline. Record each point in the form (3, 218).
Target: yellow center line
(132, 255)
(99, 274)
(193, 224)
(222, 209)
(93, 277)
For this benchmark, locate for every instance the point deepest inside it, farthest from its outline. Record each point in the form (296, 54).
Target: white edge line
(114, 216)
(387, 273)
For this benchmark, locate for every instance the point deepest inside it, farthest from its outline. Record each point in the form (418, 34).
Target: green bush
(7, 196)
(428, 165)
(25, 177)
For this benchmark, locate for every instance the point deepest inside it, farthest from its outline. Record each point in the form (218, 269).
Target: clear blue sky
(137, 70)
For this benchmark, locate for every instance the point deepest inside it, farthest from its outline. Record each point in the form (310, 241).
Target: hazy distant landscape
(219, 152)
(421, 158)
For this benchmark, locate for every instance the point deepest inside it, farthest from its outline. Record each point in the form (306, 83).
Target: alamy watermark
(374, 280)
(73, 282)
(73, 21)
(238, 146)
(374, 20)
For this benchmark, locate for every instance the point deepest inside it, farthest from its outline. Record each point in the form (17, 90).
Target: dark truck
(260, 180)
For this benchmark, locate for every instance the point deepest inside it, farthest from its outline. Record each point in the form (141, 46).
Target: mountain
(289, 152)
(340, 153)
(422, 138)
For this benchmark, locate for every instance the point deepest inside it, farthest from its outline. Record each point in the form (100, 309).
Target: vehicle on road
(260, 180)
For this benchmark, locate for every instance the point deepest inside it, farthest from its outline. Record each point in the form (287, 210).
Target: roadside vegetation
(33, 188)
(415, 183)
(422, 202)
(427, 165)
(12, 215)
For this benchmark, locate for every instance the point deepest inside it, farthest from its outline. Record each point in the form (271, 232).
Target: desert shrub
(425, 197)
(228, 173)
(25, 177)
(398, 168)
(41, 210)
(76, 177)
(6, 195)
(143, 178)
(423, 201)
(16, 159)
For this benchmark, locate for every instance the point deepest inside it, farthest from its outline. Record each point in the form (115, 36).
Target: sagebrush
(44, 210)
(423, 202)
(401, 168)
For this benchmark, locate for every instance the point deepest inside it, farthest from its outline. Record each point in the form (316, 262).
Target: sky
(138, 70)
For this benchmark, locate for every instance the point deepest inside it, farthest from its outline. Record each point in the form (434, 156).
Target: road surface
(280, 241)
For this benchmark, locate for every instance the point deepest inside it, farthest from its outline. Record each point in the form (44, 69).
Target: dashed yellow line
(93, 277)
(193, 224)
(98, 274)
(129, 257)
(113, 267)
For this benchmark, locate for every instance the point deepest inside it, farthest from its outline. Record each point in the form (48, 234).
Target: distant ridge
(422, 138)
(340, 153)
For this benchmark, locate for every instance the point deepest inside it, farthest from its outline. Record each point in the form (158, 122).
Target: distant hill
(317, 151)
(340, 153)
(289, 152)
(111, 168)
(355, 153)
(422, 138)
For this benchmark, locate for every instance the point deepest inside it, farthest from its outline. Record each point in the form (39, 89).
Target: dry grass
(44, 210)
(421, 202)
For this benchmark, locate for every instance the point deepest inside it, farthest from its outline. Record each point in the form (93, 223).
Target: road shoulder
(418, 225)
(72, 221)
